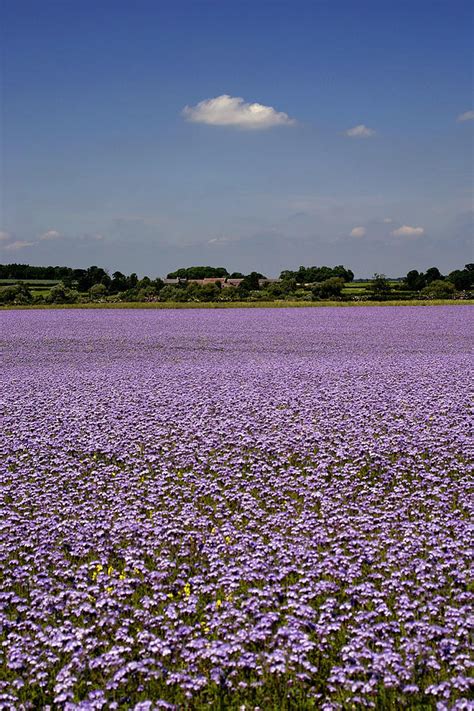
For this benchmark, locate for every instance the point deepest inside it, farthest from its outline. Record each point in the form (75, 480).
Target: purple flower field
(236, 509)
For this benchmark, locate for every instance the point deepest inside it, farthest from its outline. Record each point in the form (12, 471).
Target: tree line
(186, 284)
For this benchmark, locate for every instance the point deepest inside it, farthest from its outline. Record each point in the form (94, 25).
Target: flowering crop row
(234, 509)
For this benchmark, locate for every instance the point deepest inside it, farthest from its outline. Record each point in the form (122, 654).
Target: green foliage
(329, 288)
(311, 275)
(463, 279)
(318, 283)
(414, 281)
(433, 274)
(346, 274)
(173, 293)
(198, 273)
(61, 294)
(86, 278)
(15, 294)
(380, 286)
(98, 291)
(280, 289)
(119, 283)
(250, 282)
(439, 289)
(203, 292)
(26, 271)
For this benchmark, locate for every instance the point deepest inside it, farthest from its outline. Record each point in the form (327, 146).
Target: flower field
(236, 509)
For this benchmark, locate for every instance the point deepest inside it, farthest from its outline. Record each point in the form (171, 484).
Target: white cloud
(233, 111)
(4, 236)
(50, 235)
(466, 116)
(222, 240)
(360, 131)
(358, 232)
(18, 244)
(387, 220)
(218, 240)
(408, 231)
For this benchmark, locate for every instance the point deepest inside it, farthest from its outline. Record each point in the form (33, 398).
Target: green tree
(328, 288)
(439, 289)
(250, 282)
(15, 294)
(311, 275)
(132, 281)
(346, 274)
(380, 286)
(61, 294)
(143, 283)
(119, 283)
(173, 293)
(146, 293)
(209, 292)
(433, 274)
(157, 284)
(97, 292)
(463, 279)
(86, 278)
(198, 273)
(414, 281)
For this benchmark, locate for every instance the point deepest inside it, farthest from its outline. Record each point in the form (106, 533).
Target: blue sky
(361, 151)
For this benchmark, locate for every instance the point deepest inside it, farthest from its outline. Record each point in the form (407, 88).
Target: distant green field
(30, 282)
(38, 287)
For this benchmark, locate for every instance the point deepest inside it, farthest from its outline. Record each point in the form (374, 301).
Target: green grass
(242, 304)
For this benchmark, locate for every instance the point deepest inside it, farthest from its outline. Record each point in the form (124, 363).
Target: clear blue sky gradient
(95, 148)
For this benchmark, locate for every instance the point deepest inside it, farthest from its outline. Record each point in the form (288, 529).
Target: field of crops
(235, 509)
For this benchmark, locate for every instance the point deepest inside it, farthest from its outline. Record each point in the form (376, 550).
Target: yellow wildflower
(98, 569)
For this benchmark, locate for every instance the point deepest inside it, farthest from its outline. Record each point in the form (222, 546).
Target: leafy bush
(328, 288)
(439, 289)
(15, 294)
(61, 294)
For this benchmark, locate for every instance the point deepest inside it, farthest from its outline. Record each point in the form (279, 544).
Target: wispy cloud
(50, 235)
(387, 220)
(466, 116)
(408, 231)
(358, 232)
(4, 236)
(360, 131)
(17, 245)
(233, 111)
(90, 237)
